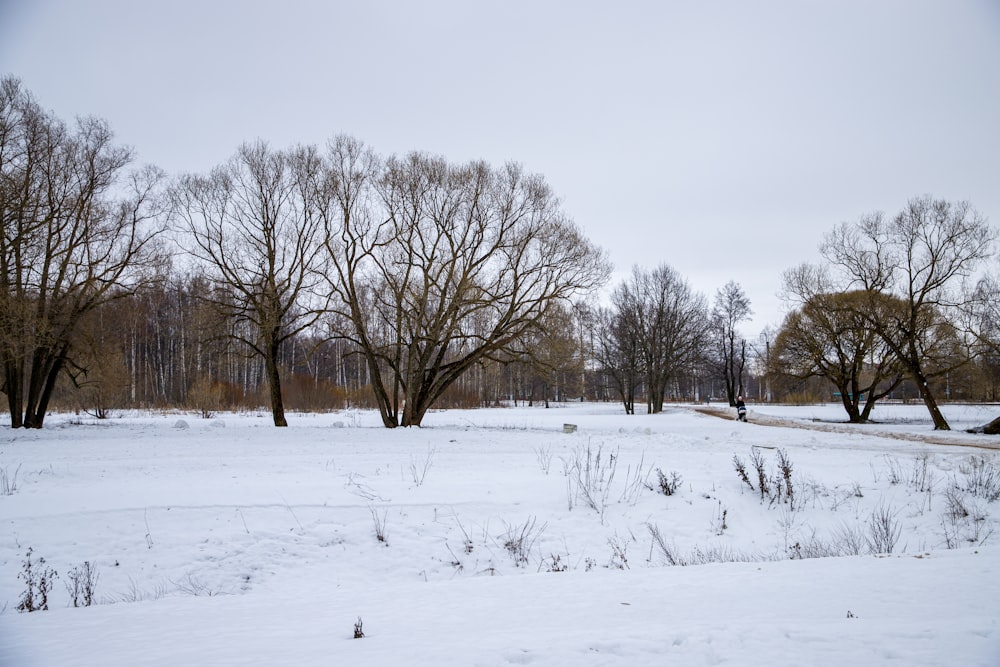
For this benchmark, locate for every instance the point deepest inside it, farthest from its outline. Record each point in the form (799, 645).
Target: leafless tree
(983, 312)
(658, 328)
(828, 336)
(254, 224)
(730, 309)
(78, 231)
(620, 346)
(918, 256)
(436, 266)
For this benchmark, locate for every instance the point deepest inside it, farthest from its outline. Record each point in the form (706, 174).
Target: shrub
(8, 482)
(785, 466)
(589, 477)
(883, 530)
(982, 478)
(519, 540)
(379, 522)
(81, 584)
(762, 482)
(741, 470)
(39, 580)
(667, 485)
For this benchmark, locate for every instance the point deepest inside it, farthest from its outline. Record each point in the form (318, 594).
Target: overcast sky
(723, 138)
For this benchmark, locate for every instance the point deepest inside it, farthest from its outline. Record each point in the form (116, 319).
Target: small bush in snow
(763, 484)
(773, 487)
(719, 520)
(589, 477)
(205, 396)
(379, 522)
(194, 586)
(553, 563)
(8, 482)
(81, 584)
(741, 470)
(922, 478)
(667, 485)
(619, 553)
(544, 457)
(956, 501)
(668, 551)
(635, 480)
(700, 555)
(419, 469)
(39, 580)
(849, 540)
(982, 478)
(883, 530)
(785, 466)
(893, 469)
(519, 540)
(137, 594)
(964, 520)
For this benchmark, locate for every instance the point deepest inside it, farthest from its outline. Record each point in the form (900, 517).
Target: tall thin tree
(254, 225)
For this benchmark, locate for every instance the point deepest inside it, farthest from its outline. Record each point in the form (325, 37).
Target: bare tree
(78, 231)
(917, 256)
(254, 223)
(437, 266)
(658, 327)
(619, 348)
(984, 312)
(828, 336)
(730, 309)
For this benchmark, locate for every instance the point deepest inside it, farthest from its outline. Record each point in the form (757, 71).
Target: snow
(230, 542)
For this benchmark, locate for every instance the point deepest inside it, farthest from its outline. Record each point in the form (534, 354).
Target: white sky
(723, 138)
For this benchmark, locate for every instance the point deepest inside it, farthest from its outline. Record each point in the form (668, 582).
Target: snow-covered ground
(506, 540)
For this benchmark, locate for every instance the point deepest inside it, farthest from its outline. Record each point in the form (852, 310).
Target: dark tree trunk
(993, 428)
(45, 369)
(274, 383)
(850, 402)
(940, 423)
(12, 386)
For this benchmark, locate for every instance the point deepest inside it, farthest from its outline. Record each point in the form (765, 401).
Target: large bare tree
(918, 256)
(437, 266)
(658, 327)
(830, 335)
(78, 230)
(254, 224)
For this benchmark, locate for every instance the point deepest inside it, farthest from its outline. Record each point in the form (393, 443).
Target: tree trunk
(940, 423)
(12, 386)
(274, 384)
(45, 368)
(993, 428)
(850, 405)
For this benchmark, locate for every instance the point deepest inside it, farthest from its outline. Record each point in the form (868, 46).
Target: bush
(883, 530)
(39, 580)
(82, 581)
(8, 482)
(982, 478)
(667, 485)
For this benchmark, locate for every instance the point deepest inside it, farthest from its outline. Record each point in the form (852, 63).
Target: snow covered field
(505, 540)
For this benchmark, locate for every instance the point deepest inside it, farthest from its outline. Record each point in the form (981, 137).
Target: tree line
(322, 277)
